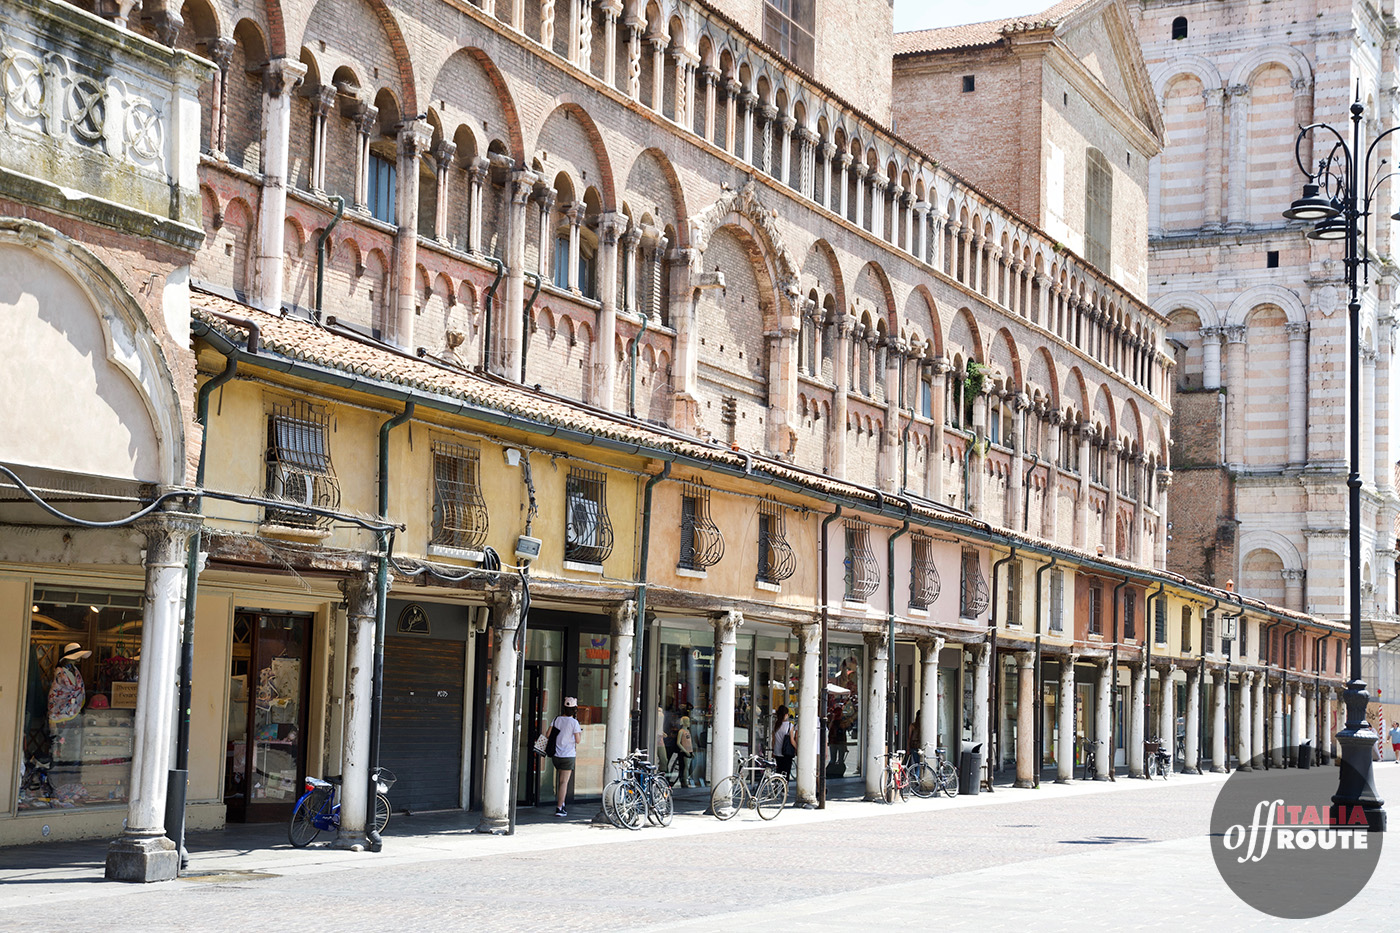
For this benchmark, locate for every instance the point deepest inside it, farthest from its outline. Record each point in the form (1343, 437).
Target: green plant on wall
(976, 379)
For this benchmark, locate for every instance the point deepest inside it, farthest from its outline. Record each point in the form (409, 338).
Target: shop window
(1160, 621)
(789, 28)
(1292, 639)
(702, 543)
(78, 732)
(776, 560)
(862, 572)
(924, 585)
(459, 511)
(1129, 615)
(299, 470)
(1057, 601)
(381, 186)
(1185, 629)
(588, 533)
(1096, 610)
(845, 667)
(1208, 633)
(1013, 593)
(975, 596)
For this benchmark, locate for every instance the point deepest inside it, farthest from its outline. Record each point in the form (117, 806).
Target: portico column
(1280, 741)
(1064, 747)
(142, 852)
(981, 692)
(1166, 713)
(360, 594)
(1026, 765)
(1295, 721)
(1219, 763)
(281, 77)
(1234, 395)
(1103, 725)
(1297, 392)
(722, 732)
(1382, 456)
(619, 712)
(1137, 719)
(1257, 750)
(809, 716)
(929, 650)
(498, 783)
(1192, 764)
(1244, 734)
(877, 647)
(1310, 719)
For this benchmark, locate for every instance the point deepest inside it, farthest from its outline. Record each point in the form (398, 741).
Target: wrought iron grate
(975, 595)
(1057, 601)
(862, 572)
(299, 470)
(1096, 610)
(776, 560)
(924, 583)
(702, 543)
(459, 512)
(1160, 620)
(588, 532)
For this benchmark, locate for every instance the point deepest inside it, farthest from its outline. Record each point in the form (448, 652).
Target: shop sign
(124, 694)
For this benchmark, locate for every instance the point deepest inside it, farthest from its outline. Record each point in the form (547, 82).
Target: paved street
(1132, 855)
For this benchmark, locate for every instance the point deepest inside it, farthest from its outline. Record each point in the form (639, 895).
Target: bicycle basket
(383, 780)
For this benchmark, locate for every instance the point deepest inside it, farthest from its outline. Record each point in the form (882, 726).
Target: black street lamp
(1337, 199)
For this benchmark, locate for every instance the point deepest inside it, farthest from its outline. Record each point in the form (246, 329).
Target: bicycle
(1158, 760)
(928, 778)
(1091, 765)
(641, 788)
(317, 810)
(894, 778)
(765, 789)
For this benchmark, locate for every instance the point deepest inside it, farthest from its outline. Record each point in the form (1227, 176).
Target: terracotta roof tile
(974, 35)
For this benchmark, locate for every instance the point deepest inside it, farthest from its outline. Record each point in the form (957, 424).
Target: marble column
(809, 716)
(1244, 731)
(1103, 725)
(929, 650)
(1295, 720)
(1257, 749)
(1192, 764)
(1026, 764)
(1137, 721)
(877, 649)
(1297, 393)
(1166, 712)
(414, 138)
(360, 601)
(281, 77)
(1064, 747)
(1278, 740)
(1219, 756)
(619, 711)
(722, 729)
(498, 783)
(1210, 357)
(1212, 184)
(981, 694)
(443, 153)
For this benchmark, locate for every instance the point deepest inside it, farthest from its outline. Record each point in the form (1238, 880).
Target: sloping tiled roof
(975, 35)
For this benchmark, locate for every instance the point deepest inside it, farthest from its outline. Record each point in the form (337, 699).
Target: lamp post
(1337, 201)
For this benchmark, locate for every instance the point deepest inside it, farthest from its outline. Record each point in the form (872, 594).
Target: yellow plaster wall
(209, 697)
(14, 630)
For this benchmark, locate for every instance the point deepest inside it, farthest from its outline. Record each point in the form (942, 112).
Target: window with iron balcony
(588, 532)
(776, 560)
(299, 470)
(460, 519)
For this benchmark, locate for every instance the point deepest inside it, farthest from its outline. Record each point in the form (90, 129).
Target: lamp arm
(1374, 143)
(1303, 132)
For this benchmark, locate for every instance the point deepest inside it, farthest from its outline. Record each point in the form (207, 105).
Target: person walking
(784, 741)
(1395, 741)
(565, 735)
(685, 748)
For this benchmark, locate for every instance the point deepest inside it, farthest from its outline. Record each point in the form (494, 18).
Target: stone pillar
(1051, 527)
(981, 693)
(1064, 748)
(1260, 694)
(1166, 712)
(1310, 719)
(619, 712)
(1212, 184)
(1137, 721)
(281, 77)
(785, 125)
(1244, 733)
(748, 100)
(142, 852)
(476, 175)
(809, 716)
(322, 106)
(806, 159)
(605, 362)
(658, 72)
(547, 24)
(929, 650)
(414, 139)
(1026, 764)
(1297, 393)
(1020, 403)
(876, 700)
(862, 171)
(1235, 395)
(709, 78)
(360, 599)
(1192, 764)
(1236, 207)
(1279, 741)
(1219, 760)
(1081, 526)
(366, 120)
(1210, 353)
(513, 308)
(498, 783)
(443, 153)
(1103, 727)
(634, 28)
(837, 437)
(220, 52)
(826, 152)
(1295, 721)
(731, 114)
(940, 367)
(611, 10)
(583, 35)
(722, 729)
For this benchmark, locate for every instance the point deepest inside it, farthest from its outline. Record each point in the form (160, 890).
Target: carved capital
(282, 76)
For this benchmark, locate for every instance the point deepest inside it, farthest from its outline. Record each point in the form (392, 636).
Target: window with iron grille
(975, 596)
(1160, 620)
(1013, 593)
(1185, 629)
(588, 533)
(862, 573)
(1129, 614)
(1338, 657)
(1292, 638)
(459, 511)
(1098, 210)
(299, 470)
(1208, 634)
(1057, 600)
(1322, 656)
(1244, 635)
(1096, 610)
(924, 584)
(776, 561)
(702, 543)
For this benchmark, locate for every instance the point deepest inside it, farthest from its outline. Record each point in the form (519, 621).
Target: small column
(1234, 395)
(921, 209)
(731, 114)
(220, 52)
(360, 599)
(619, 713)
(476, 175)
(929, 650)
(547, 24)
(1210, 353)
(658, 72)
(414, 138)
(583, 35)
(1064, 747)
(748, 101)
(1297, 393)
(1382, 445)
(1192, 764)
(365, 121)
(806, 157)
(1279, 740)
(544, 202)
(142, 852)
(709, 78)
(605, 366)
(522, 185)
(1081, 527)
(1103, 727)
(281, 77)
(322, 106)
(767, 114)
(1026, 765)
(498, 783)
(1310, 719)
(809, 716)
(1052, 477)
(1020, 403)
(1219, 757)
(634, 27)
(611, 10)
(906, 213)
(862, 172)
(784, 173)
(443, 152)
(836, 436)
(1212, 184)
(1244, 733)
(940, 367)
(722, 729)
(877, 648)
(1137, 720)
(981, 693)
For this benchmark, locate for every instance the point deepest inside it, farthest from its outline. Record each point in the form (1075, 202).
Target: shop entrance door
(269, 690)
(771, 693)
(544, 694)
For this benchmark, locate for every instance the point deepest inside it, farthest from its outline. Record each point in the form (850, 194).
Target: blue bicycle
(317, 811)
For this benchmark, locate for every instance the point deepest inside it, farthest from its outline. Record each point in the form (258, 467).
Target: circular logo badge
(1284, 848)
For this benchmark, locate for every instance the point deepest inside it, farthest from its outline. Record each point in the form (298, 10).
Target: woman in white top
(784, 741)
(565, 750)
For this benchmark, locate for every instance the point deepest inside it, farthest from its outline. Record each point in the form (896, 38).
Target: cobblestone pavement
(1134, 855)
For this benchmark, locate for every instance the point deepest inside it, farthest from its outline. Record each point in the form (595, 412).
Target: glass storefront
(845, 684)
(78, 731)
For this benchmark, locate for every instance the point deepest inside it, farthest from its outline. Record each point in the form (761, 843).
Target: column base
(141, 859)
(493, 826)
(1244, 767)
(1024, 784)
(1137, 774)
(1063, 780)
(349, 842)
(1190, 770)
(600, 818)
(1216, 769)
(1101, 777)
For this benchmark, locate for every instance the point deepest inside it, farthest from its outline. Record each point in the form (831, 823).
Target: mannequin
(67, 694)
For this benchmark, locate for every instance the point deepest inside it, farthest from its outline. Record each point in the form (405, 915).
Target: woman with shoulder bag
(784, 741)
(564, 734)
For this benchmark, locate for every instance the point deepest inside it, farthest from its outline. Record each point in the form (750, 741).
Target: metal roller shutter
(422, 731)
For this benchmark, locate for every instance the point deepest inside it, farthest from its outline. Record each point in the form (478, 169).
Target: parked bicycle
(1091, 764)
(640, 789)
(928, 778)
(1159, 760)
(755, 782)
(318, 811)
(894, 778)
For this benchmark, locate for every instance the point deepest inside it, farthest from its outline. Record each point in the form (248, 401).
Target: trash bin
(1305, 755)
(970, 770)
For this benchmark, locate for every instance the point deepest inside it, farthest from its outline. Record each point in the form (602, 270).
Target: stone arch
(1299, 68)
(459, 72)
(593, 139)
(873, 286)
(672, 183)
(397, 60)
(1202, 69)
(1286, 299)
(745, 208)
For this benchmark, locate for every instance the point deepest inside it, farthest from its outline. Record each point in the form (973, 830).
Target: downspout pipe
(381, 599)
(487, 304)
(1266, 659)
(1201, 686)
(632, 368)
(638, 633)
(525, 324)
(825, 622)
(1026, 502)
(1150, 636)
(891, 738)
(1039, 673)
(177, 785)
(993, 720)
(1113, 694)
(339, 203)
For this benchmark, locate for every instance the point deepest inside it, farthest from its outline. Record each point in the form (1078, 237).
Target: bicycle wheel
(381, 813)
(948, 778)
(302, 830)
(727, 797)
(771, 796)
(630, 805)
(921, 780)
(660, 806)
(610, 803)
(887, 785)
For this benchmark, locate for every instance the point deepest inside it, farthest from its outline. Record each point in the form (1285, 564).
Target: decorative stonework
(746, 203)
